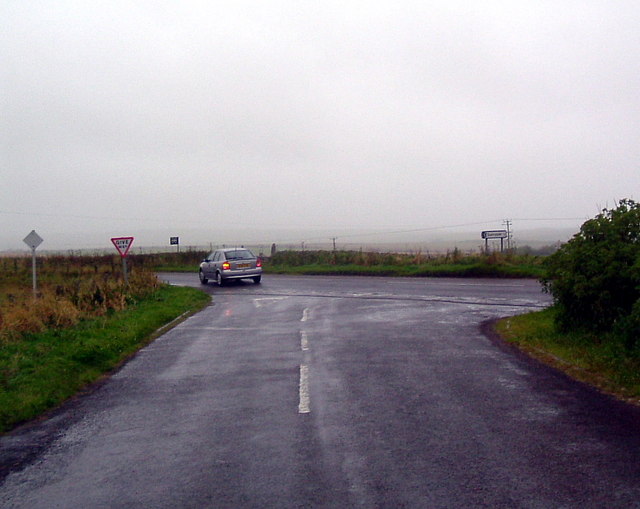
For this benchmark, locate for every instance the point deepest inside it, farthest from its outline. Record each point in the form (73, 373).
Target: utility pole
(335, 256)
(507, 223)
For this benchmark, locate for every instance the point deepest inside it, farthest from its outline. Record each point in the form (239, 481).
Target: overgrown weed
(69, 289)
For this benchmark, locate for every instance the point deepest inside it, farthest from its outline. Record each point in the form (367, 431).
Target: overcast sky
(127, 117)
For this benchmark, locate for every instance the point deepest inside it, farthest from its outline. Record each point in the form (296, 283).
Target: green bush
(627, 328)
(595, 277)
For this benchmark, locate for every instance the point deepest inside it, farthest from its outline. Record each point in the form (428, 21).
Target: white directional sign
(33, 240)
(123, 244)
(495, 234)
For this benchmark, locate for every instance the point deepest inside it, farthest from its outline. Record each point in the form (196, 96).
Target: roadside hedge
(595, 277)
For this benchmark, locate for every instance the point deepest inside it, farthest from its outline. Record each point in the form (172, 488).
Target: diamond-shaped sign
(33, 240)
(122, 244)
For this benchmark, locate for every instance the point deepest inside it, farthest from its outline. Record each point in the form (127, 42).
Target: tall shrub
(595, 277)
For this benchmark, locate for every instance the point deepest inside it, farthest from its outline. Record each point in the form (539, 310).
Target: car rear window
(239, 254)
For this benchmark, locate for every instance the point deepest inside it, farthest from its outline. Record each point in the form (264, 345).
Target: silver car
(230, 263)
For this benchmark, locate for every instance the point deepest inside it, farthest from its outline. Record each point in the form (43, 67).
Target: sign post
(123, 244)
(494, 234)
(175, 241)
(33, 240)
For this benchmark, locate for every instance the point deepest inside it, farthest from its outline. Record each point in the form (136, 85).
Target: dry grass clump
(29, 315)
(69, 290)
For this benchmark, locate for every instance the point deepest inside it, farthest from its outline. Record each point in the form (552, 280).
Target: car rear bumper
(241, 273)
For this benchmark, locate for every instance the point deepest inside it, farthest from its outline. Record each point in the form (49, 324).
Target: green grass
(451, 264)
(601, 361)
(422, 270)
(40, 371)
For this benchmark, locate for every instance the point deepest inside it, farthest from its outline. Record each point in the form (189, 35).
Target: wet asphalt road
(333, 392)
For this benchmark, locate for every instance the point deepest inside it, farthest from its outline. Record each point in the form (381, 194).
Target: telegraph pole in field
(507, 223)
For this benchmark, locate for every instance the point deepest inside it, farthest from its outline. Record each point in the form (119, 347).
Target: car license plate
(244, 265)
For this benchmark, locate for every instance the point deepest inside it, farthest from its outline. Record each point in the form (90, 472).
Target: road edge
(539, 359)
(22, 445)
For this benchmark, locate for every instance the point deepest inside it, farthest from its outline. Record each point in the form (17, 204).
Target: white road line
(305, 315)
(195, 327)
(304, 341)
(303, 406)
(259, 302)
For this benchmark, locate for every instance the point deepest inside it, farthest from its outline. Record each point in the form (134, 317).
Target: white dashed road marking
(304, 405)
(304, 341)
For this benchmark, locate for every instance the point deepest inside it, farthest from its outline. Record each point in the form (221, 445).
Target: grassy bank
(423, 270)
(356, 263)
(598, 361)
(40, 370)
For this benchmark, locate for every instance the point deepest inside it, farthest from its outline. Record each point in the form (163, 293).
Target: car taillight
(226, 266)
(258, 263)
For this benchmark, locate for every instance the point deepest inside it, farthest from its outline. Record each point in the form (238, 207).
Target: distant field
(453, 264)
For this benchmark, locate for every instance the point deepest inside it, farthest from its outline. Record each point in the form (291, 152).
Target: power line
(384, 232)
(550, 219)
(332, 238)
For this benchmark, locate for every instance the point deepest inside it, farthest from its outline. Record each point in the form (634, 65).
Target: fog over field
(404, 123)
(261, 241)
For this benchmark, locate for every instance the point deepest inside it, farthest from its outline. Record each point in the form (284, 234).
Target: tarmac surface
(333, 392)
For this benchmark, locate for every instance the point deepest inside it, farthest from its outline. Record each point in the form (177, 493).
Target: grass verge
(40, 371)
(423, 270)
(599, 361)
(356, 263)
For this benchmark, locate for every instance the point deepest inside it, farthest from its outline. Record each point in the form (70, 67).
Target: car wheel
(203, 280)
(257, 279)
(219, 279)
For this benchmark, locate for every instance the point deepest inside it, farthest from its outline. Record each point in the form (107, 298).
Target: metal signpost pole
(124, 270)
(33, 240)
(33, 269)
